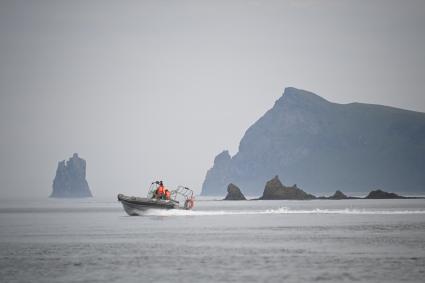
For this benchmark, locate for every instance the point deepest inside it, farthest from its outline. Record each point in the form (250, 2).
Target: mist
(153, 90)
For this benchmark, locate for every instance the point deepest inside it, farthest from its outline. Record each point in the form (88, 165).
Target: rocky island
(234, 193)
(321, 145)
(70, 180)
(379, 194)
(276, 190)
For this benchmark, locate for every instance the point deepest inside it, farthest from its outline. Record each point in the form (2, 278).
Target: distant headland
(321, 145)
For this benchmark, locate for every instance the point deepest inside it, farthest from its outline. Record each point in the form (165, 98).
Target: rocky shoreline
(275, 190)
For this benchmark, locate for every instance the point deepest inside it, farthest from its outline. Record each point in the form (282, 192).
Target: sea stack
(70, 180)
(276, 190)
(234, 193)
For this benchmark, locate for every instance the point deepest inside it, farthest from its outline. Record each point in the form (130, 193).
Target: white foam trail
(282, 210)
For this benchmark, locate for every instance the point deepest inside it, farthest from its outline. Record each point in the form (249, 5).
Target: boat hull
(134, 206)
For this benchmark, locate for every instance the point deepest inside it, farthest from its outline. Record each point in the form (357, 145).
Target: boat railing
(181, 194)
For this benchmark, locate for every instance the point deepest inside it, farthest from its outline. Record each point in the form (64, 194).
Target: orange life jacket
(160, 190)
(167, 194)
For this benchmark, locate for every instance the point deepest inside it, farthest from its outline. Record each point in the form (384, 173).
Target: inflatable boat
(180, 198)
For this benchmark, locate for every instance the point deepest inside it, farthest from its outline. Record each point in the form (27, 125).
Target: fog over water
(155, 89)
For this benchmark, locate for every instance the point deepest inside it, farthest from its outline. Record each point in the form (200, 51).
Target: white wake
(282, 210)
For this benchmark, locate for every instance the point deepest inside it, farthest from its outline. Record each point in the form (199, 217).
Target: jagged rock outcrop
(70, 180)
(321, 145)
(276, 190)
(379, 194)
(234, 193)
(338, 195)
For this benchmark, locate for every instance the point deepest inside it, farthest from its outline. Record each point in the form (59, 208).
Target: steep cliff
(325, 146)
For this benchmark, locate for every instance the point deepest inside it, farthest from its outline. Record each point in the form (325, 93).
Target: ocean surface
(93, 240)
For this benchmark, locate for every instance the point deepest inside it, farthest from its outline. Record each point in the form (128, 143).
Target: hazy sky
(148, 90)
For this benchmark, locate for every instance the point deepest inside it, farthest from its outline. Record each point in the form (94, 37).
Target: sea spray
(281, 210)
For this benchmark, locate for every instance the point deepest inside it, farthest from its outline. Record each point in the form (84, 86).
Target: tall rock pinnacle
(70, 180)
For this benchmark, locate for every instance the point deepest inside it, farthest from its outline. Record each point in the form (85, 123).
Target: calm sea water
(249, 241)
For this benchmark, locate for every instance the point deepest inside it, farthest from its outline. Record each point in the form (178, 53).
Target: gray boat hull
(134, 206)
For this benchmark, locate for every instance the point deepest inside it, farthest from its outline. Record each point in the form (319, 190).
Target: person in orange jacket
(167, 194)
(160, 191)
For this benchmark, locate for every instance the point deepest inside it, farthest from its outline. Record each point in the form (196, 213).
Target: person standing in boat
(167, 194)
(160, 191)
